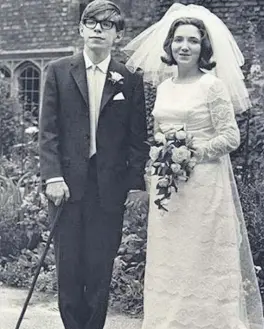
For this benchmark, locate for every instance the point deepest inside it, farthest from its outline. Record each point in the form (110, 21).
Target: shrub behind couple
(199, 269)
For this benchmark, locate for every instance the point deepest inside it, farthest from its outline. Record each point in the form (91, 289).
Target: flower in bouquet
(180, 154)
(169, 135)
(176, 168)
(181, 134)
(172, 159)
(160, 138)
(154, 152)
(164, 182)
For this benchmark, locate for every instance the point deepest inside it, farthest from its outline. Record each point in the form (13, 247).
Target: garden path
(42, 312)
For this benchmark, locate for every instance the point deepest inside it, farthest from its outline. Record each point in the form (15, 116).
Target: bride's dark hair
(206, 47)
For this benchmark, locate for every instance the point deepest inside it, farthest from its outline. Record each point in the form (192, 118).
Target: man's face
(97, 37)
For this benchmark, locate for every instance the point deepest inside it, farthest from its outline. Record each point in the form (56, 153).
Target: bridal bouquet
(171, 158)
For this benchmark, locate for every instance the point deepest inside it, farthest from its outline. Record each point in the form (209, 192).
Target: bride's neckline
(178, 83)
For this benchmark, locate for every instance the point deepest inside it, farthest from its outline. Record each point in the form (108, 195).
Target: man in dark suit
(92, 155)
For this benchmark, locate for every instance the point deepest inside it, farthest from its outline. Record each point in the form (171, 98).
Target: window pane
(30, 83)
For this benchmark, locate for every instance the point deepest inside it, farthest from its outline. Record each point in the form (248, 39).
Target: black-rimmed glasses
(91, 23)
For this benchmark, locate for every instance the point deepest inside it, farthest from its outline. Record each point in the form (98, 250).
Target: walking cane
(52, 231)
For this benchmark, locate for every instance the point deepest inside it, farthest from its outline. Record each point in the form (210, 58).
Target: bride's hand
(197, 152)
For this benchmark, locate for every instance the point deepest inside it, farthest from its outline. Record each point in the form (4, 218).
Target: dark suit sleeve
(50, 165)
(138, 149)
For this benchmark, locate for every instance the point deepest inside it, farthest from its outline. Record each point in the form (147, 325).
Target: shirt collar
(103, 66)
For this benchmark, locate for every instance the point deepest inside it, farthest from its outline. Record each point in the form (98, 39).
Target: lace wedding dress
(199, 270)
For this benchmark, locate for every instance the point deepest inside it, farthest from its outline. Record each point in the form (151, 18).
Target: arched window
(29, 87)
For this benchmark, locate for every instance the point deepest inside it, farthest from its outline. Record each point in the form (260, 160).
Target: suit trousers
(86, 241)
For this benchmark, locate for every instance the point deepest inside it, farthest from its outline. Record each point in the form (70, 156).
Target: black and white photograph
(131, 164)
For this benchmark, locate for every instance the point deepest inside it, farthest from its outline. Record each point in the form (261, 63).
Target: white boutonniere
(116, 77)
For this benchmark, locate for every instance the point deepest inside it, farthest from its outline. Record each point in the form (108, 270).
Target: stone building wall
(47, 24)
(37, 24)
(33, 32)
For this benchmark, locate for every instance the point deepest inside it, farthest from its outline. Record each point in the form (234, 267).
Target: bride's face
(186, 45)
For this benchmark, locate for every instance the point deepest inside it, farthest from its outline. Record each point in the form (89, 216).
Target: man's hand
(138, 200)
(57, 191)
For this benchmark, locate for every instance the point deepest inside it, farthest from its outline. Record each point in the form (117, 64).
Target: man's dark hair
(111, 10)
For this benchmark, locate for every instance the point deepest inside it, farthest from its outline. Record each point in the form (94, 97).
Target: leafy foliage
(128, 275)
(23, 215)
(8, 118)
(248, 160)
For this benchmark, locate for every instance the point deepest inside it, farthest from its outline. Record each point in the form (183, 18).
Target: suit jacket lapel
(109, 88)
(78, 72)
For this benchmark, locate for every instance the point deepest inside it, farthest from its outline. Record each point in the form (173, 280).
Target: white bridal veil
(146, 49)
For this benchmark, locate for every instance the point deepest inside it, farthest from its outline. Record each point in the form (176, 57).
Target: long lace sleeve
(227, 137)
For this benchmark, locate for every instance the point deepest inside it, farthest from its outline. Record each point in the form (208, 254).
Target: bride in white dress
(199, 269)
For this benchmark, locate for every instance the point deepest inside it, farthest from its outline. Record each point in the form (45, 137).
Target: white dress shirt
(96, 75)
